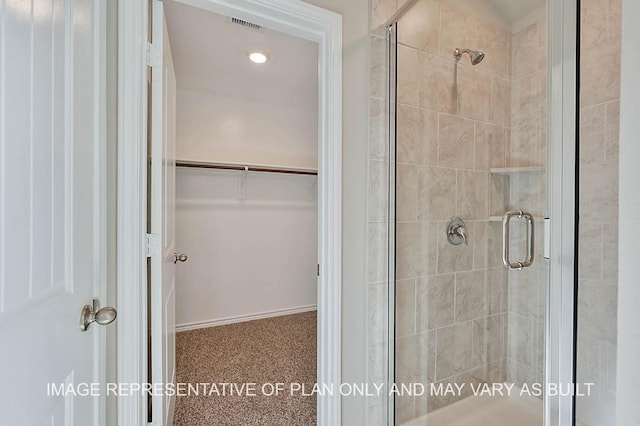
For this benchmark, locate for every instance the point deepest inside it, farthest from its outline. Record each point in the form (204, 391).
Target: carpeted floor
(267, 351)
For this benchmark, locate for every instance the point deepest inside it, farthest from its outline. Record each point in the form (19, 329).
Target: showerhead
(475, 55)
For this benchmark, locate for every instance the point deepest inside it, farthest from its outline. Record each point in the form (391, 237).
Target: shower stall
(478, 297)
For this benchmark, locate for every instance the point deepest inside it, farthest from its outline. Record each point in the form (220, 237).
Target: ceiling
(210, 54)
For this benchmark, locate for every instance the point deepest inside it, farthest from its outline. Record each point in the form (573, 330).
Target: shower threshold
(486, 411)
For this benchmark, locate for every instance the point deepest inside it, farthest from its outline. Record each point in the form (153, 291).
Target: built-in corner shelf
(515, 170)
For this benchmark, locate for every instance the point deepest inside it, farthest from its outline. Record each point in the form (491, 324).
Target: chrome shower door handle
(506, 220)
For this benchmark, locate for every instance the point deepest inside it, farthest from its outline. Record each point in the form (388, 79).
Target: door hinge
(547, 238)
(154, 57)
(318, 270)
(152, 244)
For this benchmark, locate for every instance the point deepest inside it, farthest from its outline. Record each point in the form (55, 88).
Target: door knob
(93, 313)
(179, 257)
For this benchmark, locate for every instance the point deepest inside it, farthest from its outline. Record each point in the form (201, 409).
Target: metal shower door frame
(563, 18)
(560, 321)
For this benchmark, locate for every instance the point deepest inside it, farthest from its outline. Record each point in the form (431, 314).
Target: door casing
(292, 17)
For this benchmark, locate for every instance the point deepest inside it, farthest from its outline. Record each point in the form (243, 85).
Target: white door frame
(288, 16)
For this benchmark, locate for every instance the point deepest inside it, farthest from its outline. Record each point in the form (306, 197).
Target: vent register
(247, 24)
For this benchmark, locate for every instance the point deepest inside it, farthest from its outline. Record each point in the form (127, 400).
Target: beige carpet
(280, 349)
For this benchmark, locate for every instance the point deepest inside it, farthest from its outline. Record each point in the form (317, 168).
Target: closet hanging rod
(247, 167)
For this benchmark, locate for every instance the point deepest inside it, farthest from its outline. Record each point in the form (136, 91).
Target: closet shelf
(515, 170)
(246, 167)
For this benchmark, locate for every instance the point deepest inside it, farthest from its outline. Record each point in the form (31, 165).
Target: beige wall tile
(592, 134)
(599, 192)
(420, 26)
(455, 142)
(610, 253)
(381, 10)
(480, 243)
(407, 76)
(417, 135)
(378, 79)
(435, 302)
(525, 51)
(524, 140)
(406, 192)
(519, 339)
(594, 25)
(494, 243)
(472, 194)
(409, 134)
(615, 19)
(429, 138)
(590, 251)
(470, 296)
(377, 359)
(543, 43)
(415, 357)
(377, 252)
(415, 249)
(405, 307)
(528, 99)
(474, 94)
(498, 194)
(528, 191)
(597, 310)
(458, 30)
(538, 346)
(495, 372)
(437, 189)
(487, 340)
(497, 291)
(378, 190)
(500, 101)
(453, 258)
(375, 312)
(453, 350)
(377, 129)
(600, 74)
(404, 408)
(612, 131)
(494, 43)
(524, 297)
(436, 84)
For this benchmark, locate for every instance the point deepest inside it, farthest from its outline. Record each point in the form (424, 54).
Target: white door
(163, 89)
(52, 210)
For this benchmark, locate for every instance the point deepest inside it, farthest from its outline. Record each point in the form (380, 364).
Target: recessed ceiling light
(258, 57)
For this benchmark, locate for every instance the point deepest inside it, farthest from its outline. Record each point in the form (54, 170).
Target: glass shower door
(468, 162)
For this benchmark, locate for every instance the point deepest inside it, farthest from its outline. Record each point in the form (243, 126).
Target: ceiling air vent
(246, 24)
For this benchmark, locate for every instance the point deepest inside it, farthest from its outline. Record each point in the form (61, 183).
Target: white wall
(246, 256)
(211, 127)
(628, 375)
(253, 257)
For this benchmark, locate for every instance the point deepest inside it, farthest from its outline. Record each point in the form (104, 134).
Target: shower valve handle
(457, 232)
(460, 231)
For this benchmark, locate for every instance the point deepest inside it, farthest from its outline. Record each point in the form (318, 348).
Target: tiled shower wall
(458, 320)
(527, 191)
(598, 243)
(453, 126)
